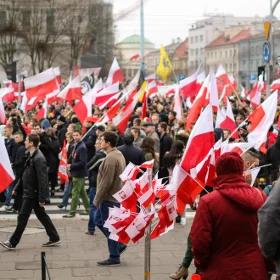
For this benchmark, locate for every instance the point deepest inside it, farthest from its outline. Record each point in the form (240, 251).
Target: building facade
(128, 54)
(203, 32)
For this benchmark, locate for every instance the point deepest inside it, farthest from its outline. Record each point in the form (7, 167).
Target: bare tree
(8, 34)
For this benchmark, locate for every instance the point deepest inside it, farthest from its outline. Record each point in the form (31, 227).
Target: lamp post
(142, 40)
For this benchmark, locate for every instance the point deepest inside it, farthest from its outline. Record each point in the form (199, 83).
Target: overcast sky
(168, 19)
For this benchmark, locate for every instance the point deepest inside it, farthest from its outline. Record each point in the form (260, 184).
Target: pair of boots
(181, 273)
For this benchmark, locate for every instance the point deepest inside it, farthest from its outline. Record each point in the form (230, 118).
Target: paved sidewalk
(78, 254)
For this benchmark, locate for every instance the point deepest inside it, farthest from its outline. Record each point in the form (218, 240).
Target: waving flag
(115, 74)
(164, 68)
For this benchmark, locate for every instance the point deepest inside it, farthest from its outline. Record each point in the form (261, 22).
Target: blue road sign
(266, 52)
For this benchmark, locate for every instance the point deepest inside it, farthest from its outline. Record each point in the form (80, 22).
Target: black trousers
(26, 208)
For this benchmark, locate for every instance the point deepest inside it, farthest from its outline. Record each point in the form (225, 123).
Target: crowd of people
(223, 240)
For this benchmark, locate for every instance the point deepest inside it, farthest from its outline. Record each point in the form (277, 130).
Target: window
(196, 39)
(3, 19)
(26, 14)
(191, 40)
(201, 38)
(50, 21)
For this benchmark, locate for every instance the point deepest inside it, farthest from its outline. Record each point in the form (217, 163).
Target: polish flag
(147, 196)
(83, 108)
(166, 215)
(255, 94)
(261, 119)
(147, 164)
(229, 121)
(41, 84)
(201, 141)
(122, 118)
(115, 74)
(72, 91)
(178, 104)
(127, 197)
(191, 85)
(105, 94)
(152, 89)
(6, 171)
(222, 78)
(62, 168)
(24, 102)
(8, 94)
(135, 57)
(275, 85)
(201, 100)
(144, 106)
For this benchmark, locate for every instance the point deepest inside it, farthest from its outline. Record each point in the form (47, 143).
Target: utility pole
(142, 41)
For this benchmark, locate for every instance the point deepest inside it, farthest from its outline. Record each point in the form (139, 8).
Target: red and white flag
(261, 119)
(105, 94)
(222, 78)
(127, 197)
(62, 169)
(275, 85)
(3, 118)
(73, 91)
(6, 171)
(229, 121)
(135, 57)
(41, 84)
(201, 141)
(115, 74)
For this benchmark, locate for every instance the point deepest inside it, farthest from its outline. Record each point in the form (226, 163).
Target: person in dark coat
(89, 139)
(35, 193)
(18, 167)
(130, 152)
(224, 231)
(93, 167)
(269, 227)
(61, 129)
(273, 157)
(50, 148)
(165, 141)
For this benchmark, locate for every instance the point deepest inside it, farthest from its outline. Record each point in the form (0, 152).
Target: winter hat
(229, 163)
(45, 124)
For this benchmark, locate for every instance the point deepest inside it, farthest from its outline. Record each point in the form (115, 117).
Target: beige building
(225, 50)
(128, 54)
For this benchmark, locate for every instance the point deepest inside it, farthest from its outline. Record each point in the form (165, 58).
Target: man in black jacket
(35, 193)
(93, 167)
(130, 152)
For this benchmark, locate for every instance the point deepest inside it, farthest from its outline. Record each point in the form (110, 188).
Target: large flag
(164, 68)
(200, 142)
(222, 78)
(41, 84)
(115, 74)
(62, 169)
(6, 172)
(72, 91)
(261, 119)
(105, 94)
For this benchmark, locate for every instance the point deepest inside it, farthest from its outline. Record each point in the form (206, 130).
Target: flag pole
(147, 264)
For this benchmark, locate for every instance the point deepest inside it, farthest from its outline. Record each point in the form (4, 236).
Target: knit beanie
(229, 163)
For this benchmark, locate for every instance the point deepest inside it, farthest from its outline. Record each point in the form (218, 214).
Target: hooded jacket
(224, 232)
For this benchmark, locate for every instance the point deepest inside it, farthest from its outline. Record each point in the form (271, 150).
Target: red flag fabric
(72, 91)
(62, 169)
(6, 172)
(115, 74)
(41, 84)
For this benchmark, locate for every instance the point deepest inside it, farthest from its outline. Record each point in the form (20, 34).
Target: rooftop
(134, 40)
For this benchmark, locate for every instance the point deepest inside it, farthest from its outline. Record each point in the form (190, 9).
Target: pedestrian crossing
(56, 213)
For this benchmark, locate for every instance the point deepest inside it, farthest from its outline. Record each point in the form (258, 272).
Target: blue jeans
(92, 209)
(66, 194)
(101, 216)
(8, 194)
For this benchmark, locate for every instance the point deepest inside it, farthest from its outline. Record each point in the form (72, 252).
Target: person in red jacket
(224, 231)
